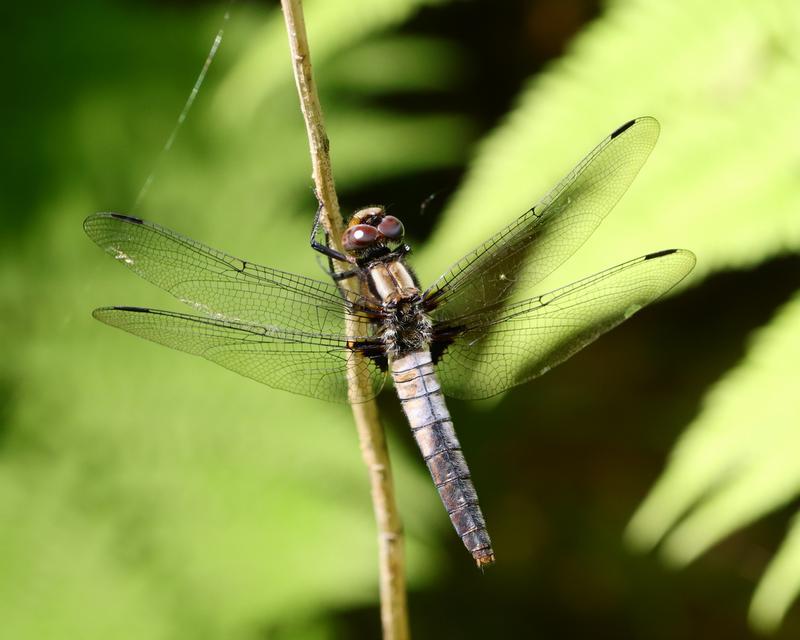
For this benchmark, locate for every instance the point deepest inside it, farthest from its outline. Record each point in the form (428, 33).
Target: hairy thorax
(406, 327)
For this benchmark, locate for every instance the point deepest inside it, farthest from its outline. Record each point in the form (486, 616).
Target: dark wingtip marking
(131, 219)
(659, 254)
(134, 309)
(623, 128)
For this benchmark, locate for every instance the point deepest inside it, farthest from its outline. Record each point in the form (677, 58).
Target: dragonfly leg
(344, 275)
(402, 250)
(324, 249)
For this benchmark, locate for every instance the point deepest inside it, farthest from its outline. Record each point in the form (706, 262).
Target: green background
(146, 494)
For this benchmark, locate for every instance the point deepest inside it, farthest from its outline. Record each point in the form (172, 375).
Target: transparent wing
(310, 365)
(491, 350)
(533, 246)
(220, 285)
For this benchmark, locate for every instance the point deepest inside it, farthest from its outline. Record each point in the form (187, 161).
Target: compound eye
(391, 228)
(359, 236)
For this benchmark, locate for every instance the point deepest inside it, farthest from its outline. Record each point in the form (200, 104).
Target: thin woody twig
(394, 613)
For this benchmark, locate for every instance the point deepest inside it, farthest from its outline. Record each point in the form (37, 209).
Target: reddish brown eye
(391, 228)
(359, 236)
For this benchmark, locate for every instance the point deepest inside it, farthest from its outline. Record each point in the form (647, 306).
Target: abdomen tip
(486, 560)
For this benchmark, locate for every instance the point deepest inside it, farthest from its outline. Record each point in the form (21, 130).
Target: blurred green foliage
(146, 494)
(127, 504)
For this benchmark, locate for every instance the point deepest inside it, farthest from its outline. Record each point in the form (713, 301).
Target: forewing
(310, 365)
(534, 245)
(220, 285)
(497, 348)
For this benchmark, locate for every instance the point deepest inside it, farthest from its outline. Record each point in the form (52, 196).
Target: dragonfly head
(370, 229)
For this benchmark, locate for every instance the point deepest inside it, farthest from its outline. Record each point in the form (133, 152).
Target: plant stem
(394, 612)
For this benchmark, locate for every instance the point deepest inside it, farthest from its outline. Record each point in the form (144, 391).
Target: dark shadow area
(417, 200)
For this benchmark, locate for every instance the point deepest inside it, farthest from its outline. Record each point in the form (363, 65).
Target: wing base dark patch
(373, 351)
(442, 339)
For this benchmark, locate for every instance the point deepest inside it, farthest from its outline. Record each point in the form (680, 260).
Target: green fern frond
(736, 462)
(722, 79)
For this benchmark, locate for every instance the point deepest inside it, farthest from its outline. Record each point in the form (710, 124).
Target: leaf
(736, 462)
(780, 584)
(332, 27)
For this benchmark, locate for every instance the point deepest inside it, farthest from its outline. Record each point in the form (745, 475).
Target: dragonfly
(473, 333)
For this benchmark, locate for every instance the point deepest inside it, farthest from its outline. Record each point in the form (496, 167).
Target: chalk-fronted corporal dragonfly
(471, 334)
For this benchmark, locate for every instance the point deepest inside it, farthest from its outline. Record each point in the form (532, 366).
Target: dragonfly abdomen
(424, 406)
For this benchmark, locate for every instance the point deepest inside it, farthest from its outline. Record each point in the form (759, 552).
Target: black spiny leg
(343, 275)
(329, 253)
(324, 249)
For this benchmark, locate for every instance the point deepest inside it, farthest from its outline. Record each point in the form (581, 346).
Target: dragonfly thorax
(406, 326)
